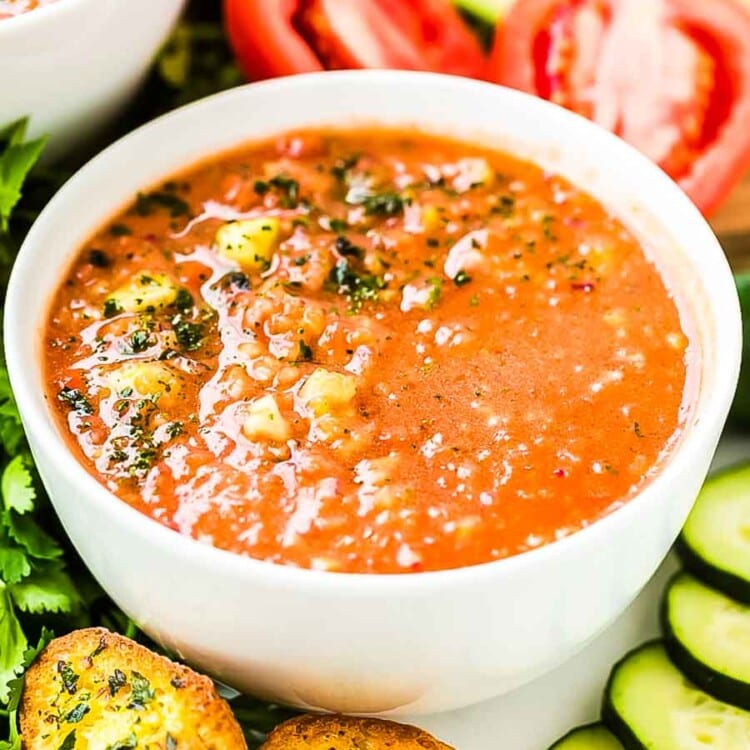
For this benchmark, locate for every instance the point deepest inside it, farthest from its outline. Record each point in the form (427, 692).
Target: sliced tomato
(280, 37)
(672, 77)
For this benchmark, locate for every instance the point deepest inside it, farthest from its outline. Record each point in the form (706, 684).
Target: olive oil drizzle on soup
(369, 351)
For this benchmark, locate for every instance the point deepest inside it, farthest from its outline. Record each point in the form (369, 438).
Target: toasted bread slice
(349, 733)
(94, 690)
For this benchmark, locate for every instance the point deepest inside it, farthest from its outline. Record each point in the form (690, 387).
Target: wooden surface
(732, 224)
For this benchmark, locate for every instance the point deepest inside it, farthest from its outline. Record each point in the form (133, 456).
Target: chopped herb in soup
(369, 351)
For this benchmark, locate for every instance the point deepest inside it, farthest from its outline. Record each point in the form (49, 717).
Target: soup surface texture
(10, 8)
(369, 351)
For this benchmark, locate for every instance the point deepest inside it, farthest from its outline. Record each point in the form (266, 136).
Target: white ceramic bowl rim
(37, 16)
(697, 436)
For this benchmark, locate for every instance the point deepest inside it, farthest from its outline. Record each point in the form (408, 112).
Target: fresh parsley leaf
(384, 204)
(338, 225)
(68, 676)
(140, 340)
(120, 230)
(75, 400)
(184, 300)
(340, 170)
(69, 742)
(289, 189)
(357, 286)
(116, 681)
(111, 308)
(76, 714)
(141, 691)
(147, 203)
(346, 248)
(189, 335)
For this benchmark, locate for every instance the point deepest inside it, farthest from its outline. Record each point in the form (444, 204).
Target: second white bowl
(71, 66)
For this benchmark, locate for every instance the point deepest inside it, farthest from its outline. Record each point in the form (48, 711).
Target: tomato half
(281, 37)
(672, 77)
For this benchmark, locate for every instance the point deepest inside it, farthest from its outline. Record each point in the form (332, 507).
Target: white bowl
(413, 643)
(72, 65)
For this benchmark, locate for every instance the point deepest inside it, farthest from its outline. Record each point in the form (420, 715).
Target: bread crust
(108, 691)
(335, 732)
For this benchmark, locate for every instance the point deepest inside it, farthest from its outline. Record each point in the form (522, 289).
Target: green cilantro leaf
(32, 537)
(11, 431)
(13, 643)
(17, 486)
(16, 161)
(14, 564)
(29, 656)
(45, 591)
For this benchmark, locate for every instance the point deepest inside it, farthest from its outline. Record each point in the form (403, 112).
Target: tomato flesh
(658, 101)
(346, 34)
(668, 76)
(282, 37)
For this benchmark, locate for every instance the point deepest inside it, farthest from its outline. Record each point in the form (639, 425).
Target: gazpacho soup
(371, 351)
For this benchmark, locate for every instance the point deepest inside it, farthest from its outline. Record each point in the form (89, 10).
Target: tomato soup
(10, 8)
(369, 351)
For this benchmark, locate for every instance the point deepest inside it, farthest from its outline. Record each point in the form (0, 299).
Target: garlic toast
(95, 690)
(335, 732)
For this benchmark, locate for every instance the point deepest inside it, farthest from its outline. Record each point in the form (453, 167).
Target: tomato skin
(265, 40)
(282, 37)
(727, 158)
(711, 166)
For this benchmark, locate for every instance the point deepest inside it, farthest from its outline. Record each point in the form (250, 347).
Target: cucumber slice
(650, 705)
(708, 637)
(740, 412)
(715, 543)
(590, 737)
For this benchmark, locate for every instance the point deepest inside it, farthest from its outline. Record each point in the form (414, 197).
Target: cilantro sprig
(17, 157)
(33, 575)
(15, 688)
(16, 161)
